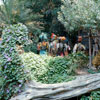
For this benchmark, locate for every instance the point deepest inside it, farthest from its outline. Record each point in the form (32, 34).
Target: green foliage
(12, 12)
(50, 17)
(57, 71)
(1, 79)
(35, 65)
(38, 16)
(76, 60)
(49, 9)
(93, 72)
(47, 69)
(15, 11)
(80, 14)
(12, 72)
(31, 47)
(95, 95)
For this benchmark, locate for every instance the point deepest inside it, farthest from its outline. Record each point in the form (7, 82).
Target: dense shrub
(11, 66)
(35, 65)
(47, 69)
(32, 47)
(76, 60)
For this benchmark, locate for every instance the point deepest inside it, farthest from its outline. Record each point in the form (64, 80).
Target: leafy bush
(11, 66)
(56, 71)
(1, 79)
(32, 47)
(35, 65)
(76, 60)
(95, 95)
(47, 69)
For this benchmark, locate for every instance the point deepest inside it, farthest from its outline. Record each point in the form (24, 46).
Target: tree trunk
(60, 91)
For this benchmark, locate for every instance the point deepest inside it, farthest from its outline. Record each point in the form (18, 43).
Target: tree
(49, 9)
(80, 14)
(12, 12)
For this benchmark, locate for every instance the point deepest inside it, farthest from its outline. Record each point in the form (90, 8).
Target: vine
(12, 69)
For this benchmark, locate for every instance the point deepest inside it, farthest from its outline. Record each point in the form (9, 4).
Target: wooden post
(90, 51)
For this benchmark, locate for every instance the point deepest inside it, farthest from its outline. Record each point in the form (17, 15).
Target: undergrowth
(95, 95)
(47, 69)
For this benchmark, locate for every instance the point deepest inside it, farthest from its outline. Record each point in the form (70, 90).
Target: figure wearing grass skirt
(43, 44)
(44, 48)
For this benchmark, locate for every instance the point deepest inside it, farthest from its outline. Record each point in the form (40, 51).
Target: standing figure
(79, 46)
(61, 46)
(66, 48)
(42, 46)
(52, 45)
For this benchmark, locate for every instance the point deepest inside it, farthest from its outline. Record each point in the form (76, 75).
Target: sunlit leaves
(80, 14)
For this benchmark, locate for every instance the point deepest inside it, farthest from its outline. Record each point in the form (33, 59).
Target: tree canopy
(80, 14)
(38, 16)
(49, 9)
(12, 12)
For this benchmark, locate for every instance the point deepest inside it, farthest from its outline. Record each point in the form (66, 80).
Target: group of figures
(58, 45)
